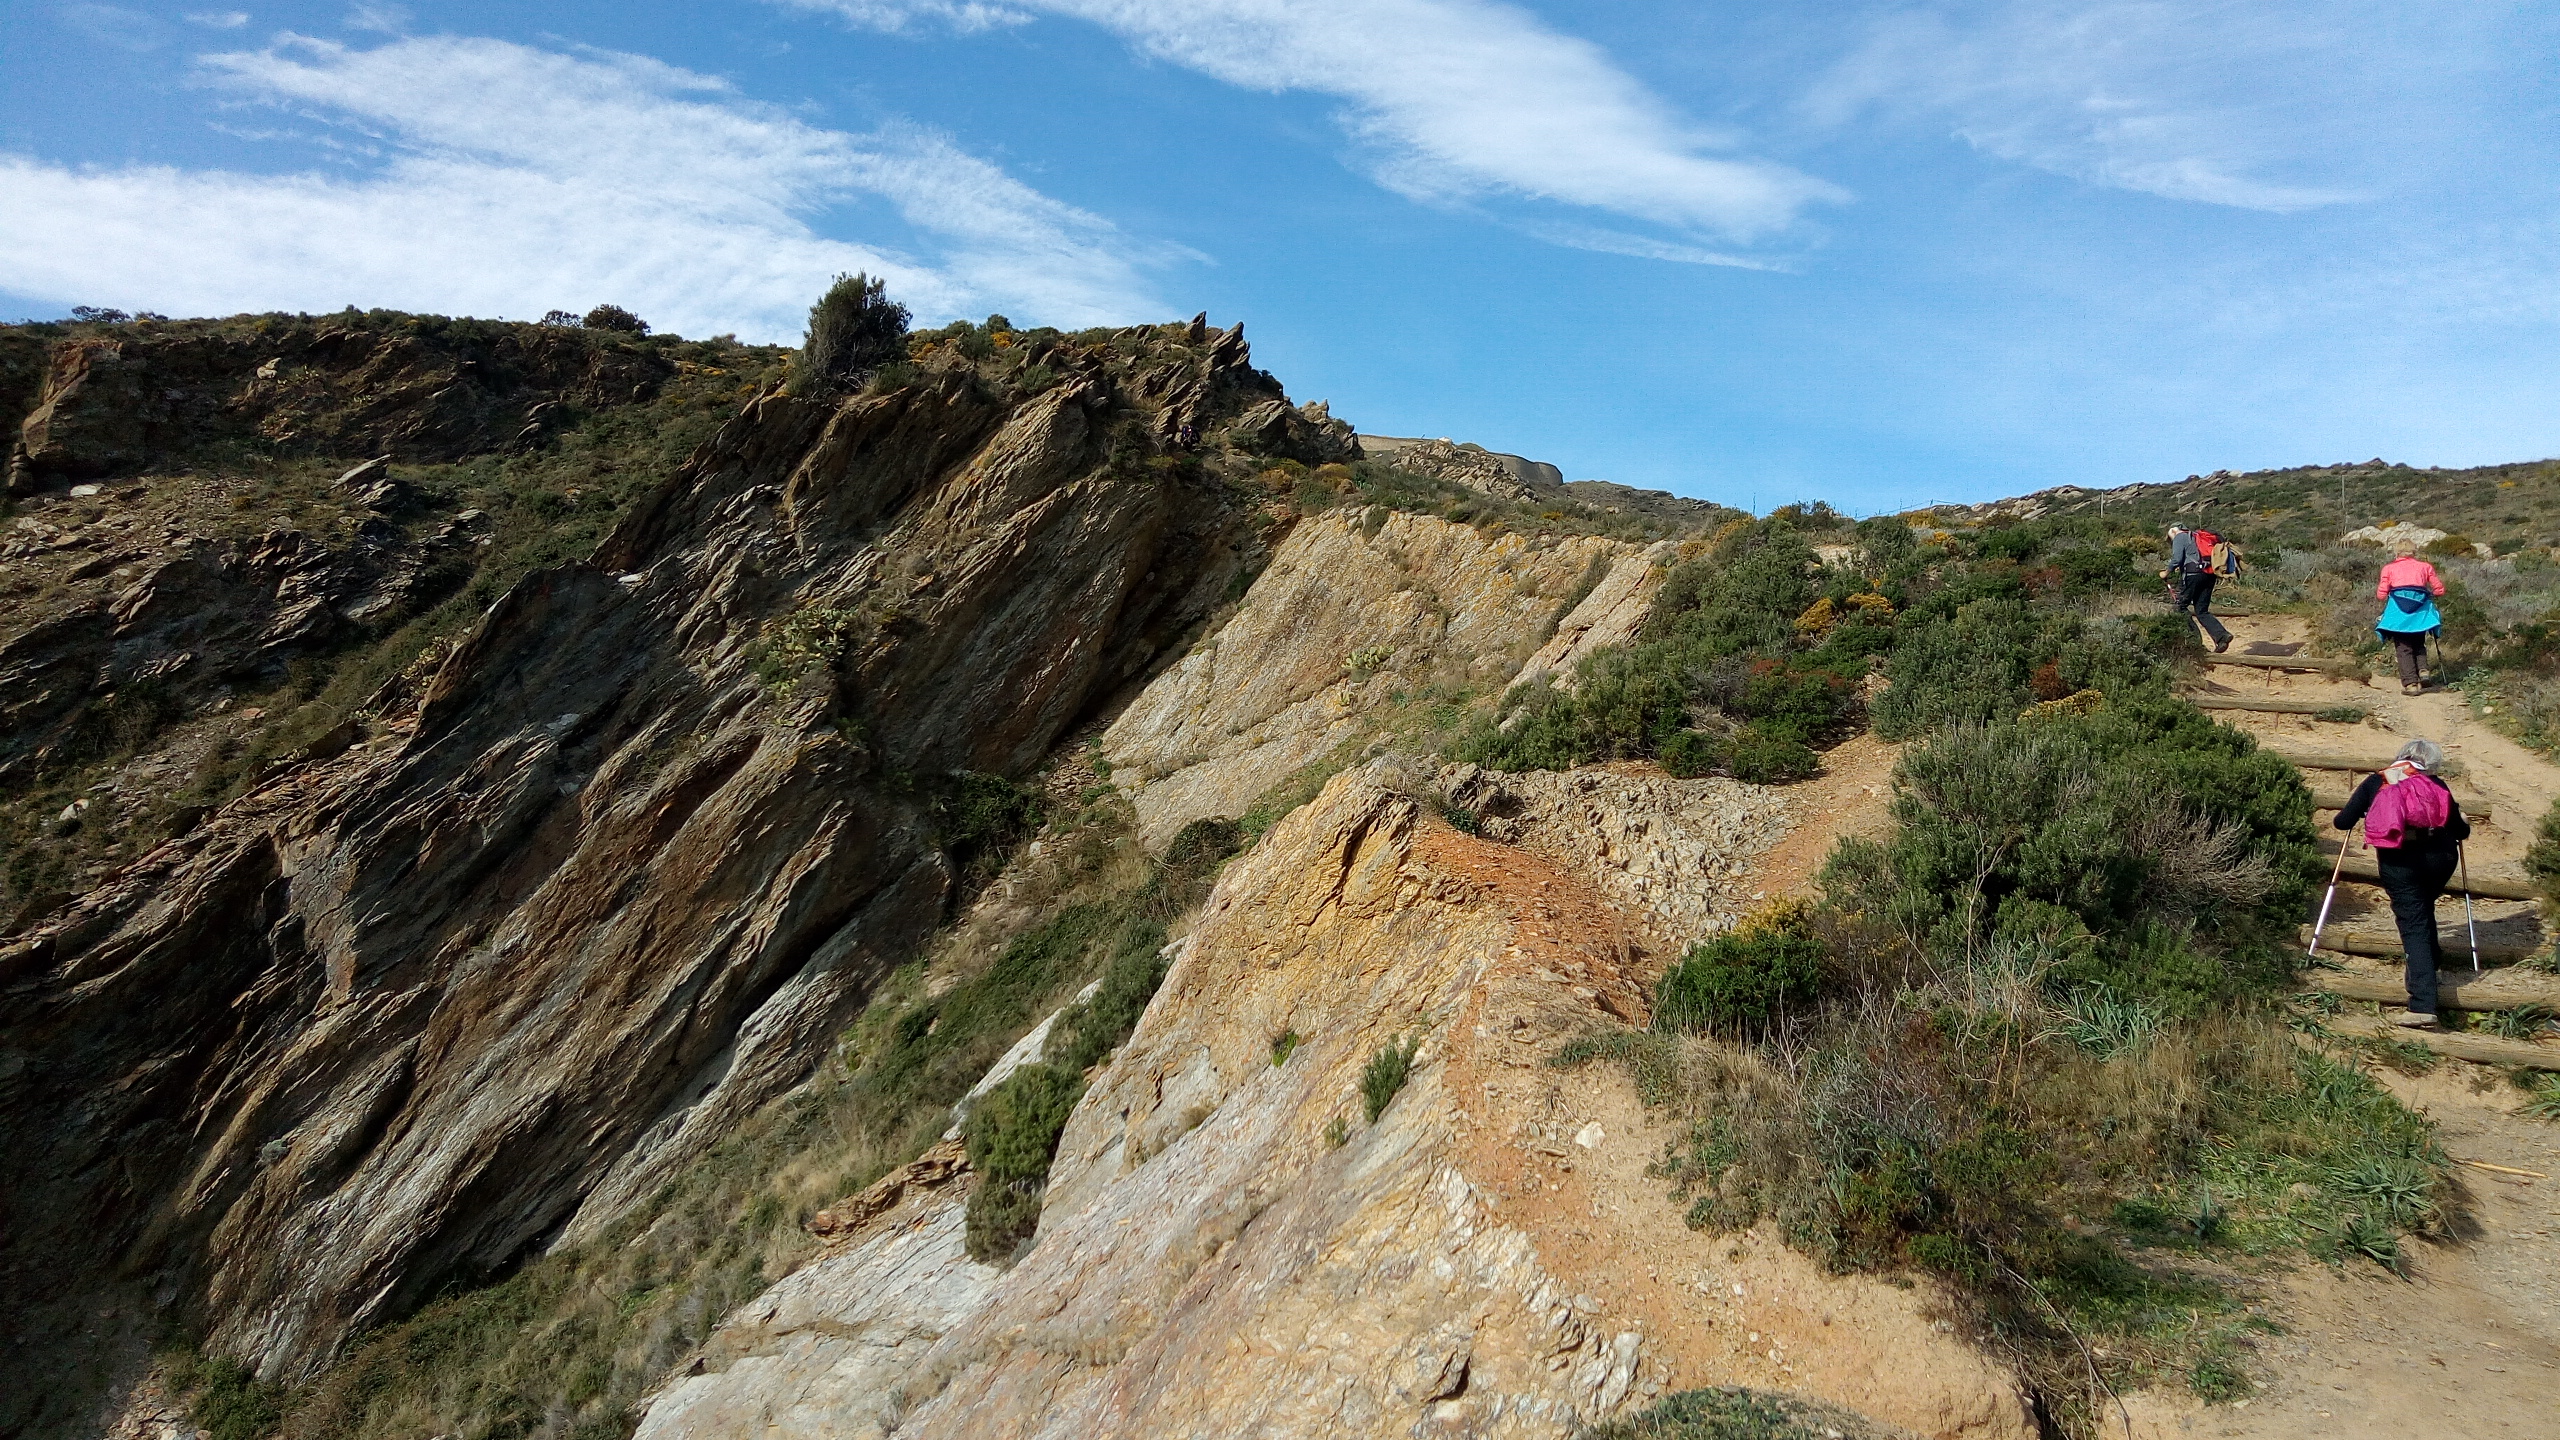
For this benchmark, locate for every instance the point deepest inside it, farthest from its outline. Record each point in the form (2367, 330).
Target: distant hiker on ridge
(2196, 560)
(2408, 590)
(2416, 829)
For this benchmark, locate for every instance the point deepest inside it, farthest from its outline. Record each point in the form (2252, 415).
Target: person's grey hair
(2426, 755)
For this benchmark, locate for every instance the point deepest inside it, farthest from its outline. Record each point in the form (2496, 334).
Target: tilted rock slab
(1487, 1259)
(1276, 687)
(402, 1017)
(1613, 614)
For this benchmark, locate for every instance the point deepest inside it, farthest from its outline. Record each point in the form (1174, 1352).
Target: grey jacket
(2184, 557)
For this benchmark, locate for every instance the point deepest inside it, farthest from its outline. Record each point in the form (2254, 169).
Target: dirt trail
(2469, 1344)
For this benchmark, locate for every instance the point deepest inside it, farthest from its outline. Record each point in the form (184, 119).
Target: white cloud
(218, 19)
(2256, 107)
(1453, 99)
(498, 179)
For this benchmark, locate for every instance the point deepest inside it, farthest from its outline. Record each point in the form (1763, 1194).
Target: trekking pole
(2323, 922)
(2464, 851)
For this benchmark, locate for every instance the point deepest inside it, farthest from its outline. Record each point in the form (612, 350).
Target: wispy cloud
(2195, 100)
(1642, 247)
(494, 178)
(115, 25)
(218, 19)
(376, 15)
(1449, 99)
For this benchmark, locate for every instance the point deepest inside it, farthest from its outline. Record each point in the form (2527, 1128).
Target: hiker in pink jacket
(2416, 830)
(2408, 590)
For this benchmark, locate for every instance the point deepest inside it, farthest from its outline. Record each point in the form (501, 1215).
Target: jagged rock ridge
(615, 878)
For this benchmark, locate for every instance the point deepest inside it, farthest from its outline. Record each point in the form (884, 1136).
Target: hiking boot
(2222, 644)
(2418, 1020)
(2412, 688)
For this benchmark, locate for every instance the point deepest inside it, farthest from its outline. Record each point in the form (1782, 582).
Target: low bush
(1743, 981)
(1385, 1075)
(1012, 1134)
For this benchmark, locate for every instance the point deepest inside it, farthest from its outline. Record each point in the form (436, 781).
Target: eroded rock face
(1486, 1259)
(1670, 853)
(403, 1015)
(1344, 619)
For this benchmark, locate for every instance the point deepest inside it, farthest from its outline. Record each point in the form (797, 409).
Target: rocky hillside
(562, 882)
(1232, 1243)
(563, 898)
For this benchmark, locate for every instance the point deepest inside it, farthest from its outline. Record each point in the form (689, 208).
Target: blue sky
(1883, 255)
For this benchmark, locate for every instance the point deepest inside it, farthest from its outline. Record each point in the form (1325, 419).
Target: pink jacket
(2408, 570)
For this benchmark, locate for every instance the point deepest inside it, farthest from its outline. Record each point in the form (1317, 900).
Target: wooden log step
(2456, 988)
(2456, 946)
(2329, 795)
(2460, 1045)
(2498, 884)
(2318, 665)
(2362, 762)
(2269, 705)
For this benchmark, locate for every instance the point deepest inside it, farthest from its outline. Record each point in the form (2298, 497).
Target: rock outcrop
(1234, 1246)
(1350, 621)
(1670, 854)
(1532, 482)
(1613, 614)
(407, 1013)
(429, 390)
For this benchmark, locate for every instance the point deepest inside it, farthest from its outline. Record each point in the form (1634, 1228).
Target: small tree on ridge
(855, 327)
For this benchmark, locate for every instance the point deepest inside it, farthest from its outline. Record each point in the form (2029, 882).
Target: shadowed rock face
(403, 1015)
(105, 403)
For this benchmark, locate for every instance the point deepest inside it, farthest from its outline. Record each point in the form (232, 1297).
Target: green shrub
(614, 317)
(228, 1401)
(1012, 1135)
(1722, 682)
(1098, 1024)
(1385, 1074)
(2542, 857)
(1741, 982)
(853, 328)
(981, 817)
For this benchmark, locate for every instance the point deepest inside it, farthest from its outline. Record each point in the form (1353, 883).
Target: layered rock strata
(1356, 614)
(1230, 1245)
(405, 1014)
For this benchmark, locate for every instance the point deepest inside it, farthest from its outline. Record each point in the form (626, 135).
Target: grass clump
(2545, 1101)
(224, 1399)
(1385, 1075)
(1734, 1413)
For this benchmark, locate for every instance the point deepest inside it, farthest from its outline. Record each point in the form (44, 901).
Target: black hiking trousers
(2195, 597)
(2412, 651)
(2414, 878)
